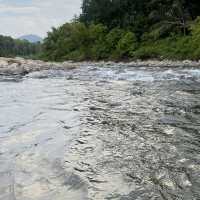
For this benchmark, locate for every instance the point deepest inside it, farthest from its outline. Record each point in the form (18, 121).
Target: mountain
(31, 38)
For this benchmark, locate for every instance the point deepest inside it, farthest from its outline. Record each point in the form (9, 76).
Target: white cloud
(6, 9)
(35, 17)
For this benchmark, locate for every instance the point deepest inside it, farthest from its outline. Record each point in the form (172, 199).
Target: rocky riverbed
(94, 131)
(20, 66)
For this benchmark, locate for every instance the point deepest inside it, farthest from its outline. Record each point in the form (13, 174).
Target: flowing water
(101, 133)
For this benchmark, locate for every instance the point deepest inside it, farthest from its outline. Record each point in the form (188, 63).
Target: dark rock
(133, 127)
(79, 169)
(67, 127)
(81, 141)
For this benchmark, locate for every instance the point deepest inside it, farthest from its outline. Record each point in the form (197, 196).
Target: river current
(94, 133)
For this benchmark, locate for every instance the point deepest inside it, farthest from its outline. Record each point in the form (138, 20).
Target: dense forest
(120, 30)
(128, 29)
(10, 47)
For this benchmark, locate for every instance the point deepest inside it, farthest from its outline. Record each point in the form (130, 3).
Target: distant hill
(31, 38)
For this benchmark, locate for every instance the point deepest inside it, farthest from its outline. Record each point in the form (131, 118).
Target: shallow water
(101, 133)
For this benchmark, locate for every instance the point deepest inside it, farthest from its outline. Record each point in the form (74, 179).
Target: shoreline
(21, 66)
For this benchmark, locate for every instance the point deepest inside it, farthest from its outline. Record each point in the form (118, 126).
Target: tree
(13, 47)
(171, 15)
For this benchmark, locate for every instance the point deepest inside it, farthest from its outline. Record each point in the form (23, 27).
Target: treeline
(10, 47)
(128, 29)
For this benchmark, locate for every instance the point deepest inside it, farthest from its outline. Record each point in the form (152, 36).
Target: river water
(95, 133)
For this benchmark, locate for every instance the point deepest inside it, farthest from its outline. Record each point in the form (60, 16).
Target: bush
(195, 39)
(76, 41)
(178, 48)
(98, 49)
(126, 45)
(112, 38)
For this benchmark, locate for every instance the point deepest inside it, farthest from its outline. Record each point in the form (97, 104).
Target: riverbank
(20, 66)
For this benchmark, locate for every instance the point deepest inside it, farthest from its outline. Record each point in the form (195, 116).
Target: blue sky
(20, 17)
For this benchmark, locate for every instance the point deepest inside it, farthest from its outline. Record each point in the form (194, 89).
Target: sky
(21, 17)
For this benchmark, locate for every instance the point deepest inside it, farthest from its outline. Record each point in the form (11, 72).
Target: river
(94, 133)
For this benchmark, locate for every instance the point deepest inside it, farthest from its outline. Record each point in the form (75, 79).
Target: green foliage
(120, 29)
(76, 41)
(97, 48)
(141, 15)
(195, 38)
(115, 13)
(178, 47)
(128, 30)
(126, 45)
(113, 37)
(12, 47)
(68, 41)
